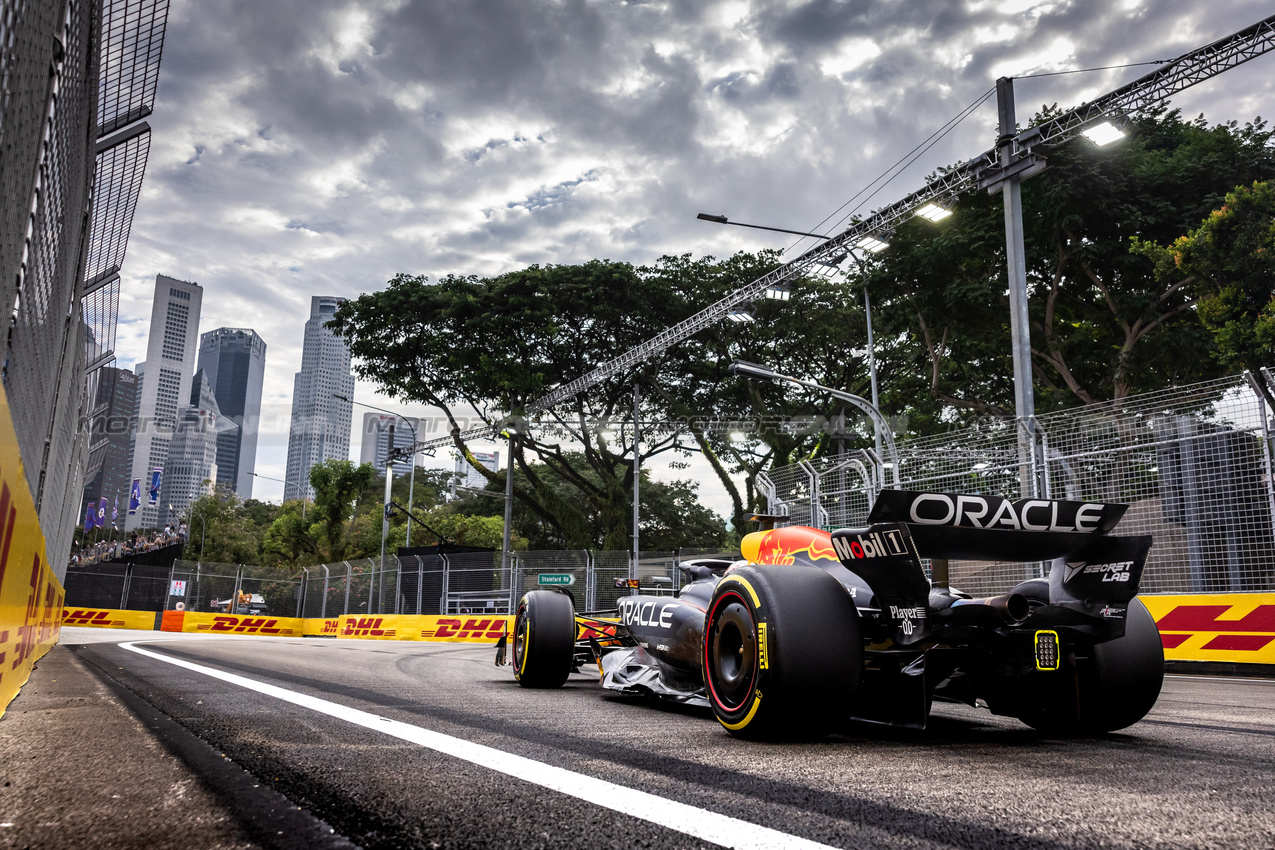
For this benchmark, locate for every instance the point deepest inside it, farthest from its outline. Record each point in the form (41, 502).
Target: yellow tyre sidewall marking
(526, 640)
(748, 718)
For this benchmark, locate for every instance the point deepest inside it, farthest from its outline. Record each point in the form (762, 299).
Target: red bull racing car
(813, 628)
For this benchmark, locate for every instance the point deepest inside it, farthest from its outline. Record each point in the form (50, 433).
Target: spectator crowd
(113, 550)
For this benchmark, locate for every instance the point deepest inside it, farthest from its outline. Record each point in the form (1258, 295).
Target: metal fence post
(349, 579)
(323, 603)
(305, 581)
(1266, 443)
(234, 595)
(420, 582)
(447, 575)
(168, 591)
(128, 574)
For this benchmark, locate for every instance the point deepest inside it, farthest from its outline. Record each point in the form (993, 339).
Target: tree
(223, 529)
(495, 344)
(1103, 323)
(1228, 265)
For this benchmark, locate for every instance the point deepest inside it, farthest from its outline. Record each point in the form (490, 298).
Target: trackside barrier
(232, 624)
(1230, 627)
(108, 618)
(30, 594)
(460, 629)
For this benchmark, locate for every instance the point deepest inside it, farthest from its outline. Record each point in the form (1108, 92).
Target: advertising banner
(156, 476)
(239, 624)
(1234, 627)
(135, 496)
(90, 517)
(30, 595)
(322, 627)
(466, 628)
(108, 618)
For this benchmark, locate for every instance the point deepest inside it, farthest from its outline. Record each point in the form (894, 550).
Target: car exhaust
(1013, 608)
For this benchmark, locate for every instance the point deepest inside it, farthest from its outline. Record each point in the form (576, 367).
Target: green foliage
(1228, 263)
(338, 486)
(223, 529)
(1104, 324)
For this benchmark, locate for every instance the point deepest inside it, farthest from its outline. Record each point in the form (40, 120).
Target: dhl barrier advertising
(326, 627)
(108, 618)
(233, 624)
(465, 628)
(1234, 627)
(30, 595)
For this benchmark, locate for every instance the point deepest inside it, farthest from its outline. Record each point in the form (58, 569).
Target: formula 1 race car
(813, 628)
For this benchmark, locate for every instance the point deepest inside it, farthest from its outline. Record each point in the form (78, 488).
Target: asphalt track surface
(398, 744)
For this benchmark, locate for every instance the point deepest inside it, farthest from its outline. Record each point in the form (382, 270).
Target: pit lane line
(690, 820)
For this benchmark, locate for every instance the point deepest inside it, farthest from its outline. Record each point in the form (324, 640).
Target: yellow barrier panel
(1235, 627)
(315, 627)
(30, 595)
(108, 618)
(242, 624)
(465, 628)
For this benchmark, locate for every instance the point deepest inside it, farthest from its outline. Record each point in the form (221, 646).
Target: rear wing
(1092, 575)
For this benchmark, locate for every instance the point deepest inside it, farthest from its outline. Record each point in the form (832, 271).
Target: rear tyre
(1113, 688)
(782, 652)
(544, 639)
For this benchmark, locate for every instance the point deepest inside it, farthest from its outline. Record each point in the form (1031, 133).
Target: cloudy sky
(305, 147)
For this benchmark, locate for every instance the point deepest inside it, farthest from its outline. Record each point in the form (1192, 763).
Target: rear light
(1047, 654)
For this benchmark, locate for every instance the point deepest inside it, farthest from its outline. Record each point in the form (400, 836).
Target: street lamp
(285, 492)
(781, 292)
(411, 478)
(764, 373)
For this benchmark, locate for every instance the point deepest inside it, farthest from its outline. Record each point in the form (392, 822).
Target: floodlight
(751, 370)
(779, 292)
(1103, 134)
(871, 243)
(933, 212)
(743, 315)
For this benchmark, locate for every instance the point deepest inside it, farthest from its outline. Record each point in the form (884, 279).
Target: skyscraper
(110, 461)
(234, 360)
(376, 439)
(320, 427)
(192, 451)
(165, 385)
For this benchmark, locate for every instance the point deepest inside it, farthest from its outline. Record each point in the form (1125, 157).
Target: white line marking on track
(700, 823)
(1193, 678)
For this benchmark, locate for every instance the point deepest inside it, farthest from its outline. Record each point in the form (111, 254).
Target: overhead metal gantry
(987, 170)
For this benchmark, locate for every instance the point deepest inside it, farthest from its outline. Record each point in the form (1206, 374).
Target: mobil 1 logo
(883, 543)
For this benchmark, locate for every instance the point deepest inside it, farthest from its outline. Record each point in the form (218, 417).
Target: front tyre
(544, 639)
(782, 652)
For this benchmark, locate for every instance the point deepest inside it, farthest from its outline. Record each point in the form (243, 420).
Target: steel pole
(637, 468)
(411, 489)
(509, 504)
(385, 531)
(1015, 254)
(872, 376)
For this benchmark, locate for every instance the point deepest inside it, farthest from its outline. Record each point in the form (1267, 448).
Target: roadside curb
(265, 814)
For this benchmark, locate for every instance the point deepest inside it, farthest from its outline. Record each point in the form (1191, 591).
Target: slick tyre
(544, 639)
(782, 652)
(1113, 687)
